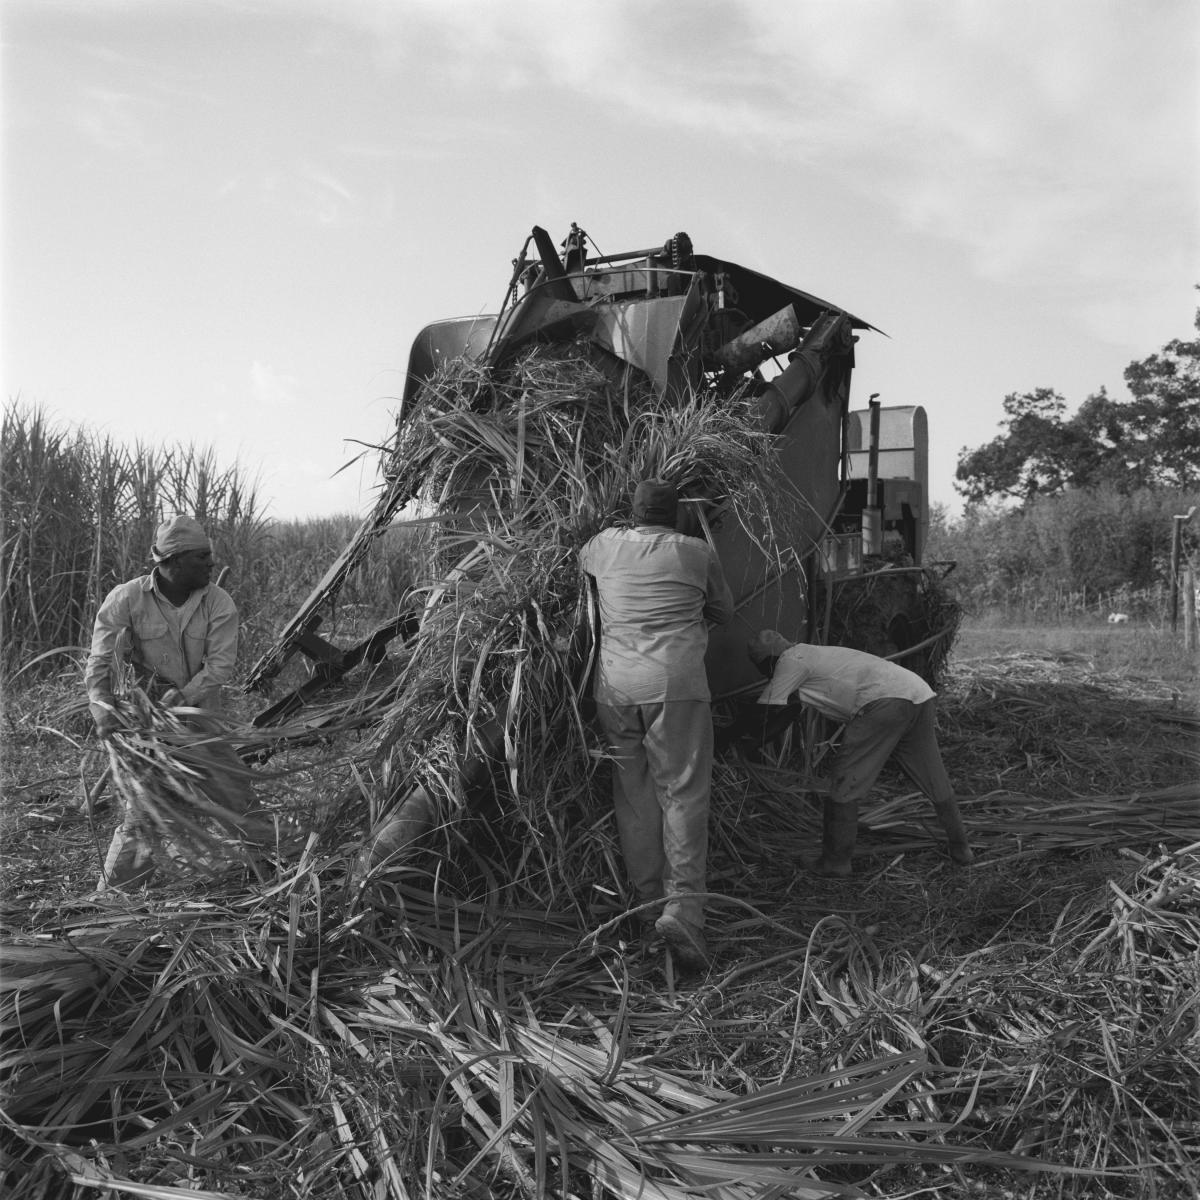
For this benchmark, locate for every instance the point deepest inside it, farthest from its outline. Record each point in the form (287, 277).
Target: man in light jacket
(888, 712)
(657, 590)
(177, 632)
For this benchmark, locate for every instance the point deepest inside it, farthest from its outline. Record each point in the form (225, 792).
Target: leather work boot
(950, 820)
(685, 940)
(839, 831)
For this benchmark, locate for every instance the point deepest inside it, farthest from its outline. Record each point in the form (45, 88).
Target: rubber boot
(950, 820)
(686, 941)
(838, 834)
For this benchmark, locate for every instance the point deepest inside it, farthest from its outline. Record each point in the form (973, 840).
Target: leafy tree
(1035, 455)
(988, 544)
(1151, 441)
(1164, 418)
(1099, 539)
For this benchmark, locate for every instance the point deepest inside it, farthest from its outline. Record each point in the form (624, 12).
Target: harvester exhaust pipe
(872, 518)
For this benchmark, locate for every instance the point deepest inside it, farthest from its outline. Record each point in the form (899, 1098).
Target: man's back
(838, 681)
(656, 590)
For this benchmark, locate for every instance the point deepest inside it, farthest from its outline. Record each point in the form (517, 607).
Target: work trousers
(662, 777)
(884, 729)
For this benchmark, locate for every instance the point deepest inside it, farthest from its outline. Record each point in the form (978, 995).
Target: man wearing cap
(888, 712)
(657, 589)
(178, 632)
(181, 629)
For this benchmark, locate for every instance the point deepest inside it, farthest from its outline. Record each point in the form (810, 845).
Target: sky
(224, 221)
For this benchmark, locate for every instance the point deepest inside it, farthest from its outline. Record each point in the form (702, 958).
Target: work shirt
(192, 647)
(839, 682)
(657, 588)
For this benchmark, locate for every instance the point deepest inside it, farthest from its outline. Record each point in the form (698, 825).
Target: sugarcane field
(374, 926)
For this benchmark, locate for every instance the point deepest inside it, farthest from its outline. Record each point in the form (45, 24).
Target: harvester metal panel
(765, 596)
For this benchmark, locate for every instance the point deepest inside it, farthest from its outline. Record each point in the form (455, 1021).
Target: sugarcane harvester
(686, 323)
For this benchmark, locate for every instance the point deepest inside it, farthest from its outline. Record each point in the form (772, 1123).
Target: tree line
(1076, 512)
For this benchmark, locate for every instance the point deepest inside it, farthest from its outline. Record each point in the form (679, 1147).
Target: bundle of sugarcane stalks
(187, 798)
(482, 1019)
(518, 470)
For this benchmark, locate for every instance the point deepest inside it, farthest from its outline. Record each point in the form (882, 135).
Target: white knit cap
(178, 535)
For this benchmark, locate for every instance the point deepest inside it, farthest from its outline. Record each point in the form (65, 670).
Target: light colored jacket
(837, 681)
(656, 588)
(192, 648)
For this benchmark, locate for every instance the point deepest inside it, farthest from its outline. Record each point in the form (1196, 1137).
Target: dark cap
(655, 503)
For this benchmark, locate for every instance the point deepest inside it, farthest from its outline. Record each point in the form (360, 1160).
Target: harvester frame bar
(308, 617)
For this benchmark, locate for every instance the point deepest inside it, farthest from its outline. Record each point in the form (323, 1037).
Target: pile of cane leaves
(483, 1019)
(516, 470)
(277, 1041)
(921, 1027)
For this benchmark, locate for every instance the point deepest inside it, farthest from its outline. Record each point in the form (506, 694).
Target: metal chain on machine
(679, 249)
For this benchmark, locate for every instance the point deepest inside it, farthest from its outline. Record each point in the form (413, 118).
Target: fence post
(1189, 610)
(1178, 522)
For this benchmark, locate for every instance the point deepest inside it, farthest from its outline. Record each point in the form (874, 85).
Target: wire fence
(1035, 603)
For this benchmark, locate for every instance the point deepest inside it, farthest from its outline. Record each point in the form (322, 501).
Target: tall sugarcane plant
(79, 514)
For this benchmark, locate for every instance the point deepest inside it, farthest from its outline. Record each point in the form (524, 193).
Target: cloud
(1023, 132)
(129, 111)
(306, 192)
(272, 389)
(1010, 128)
(114, 120)
(1027, 134)
(316, 194)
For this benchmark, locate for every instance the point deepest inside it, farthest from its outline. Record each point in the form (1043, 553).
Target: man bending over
(888, 713)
